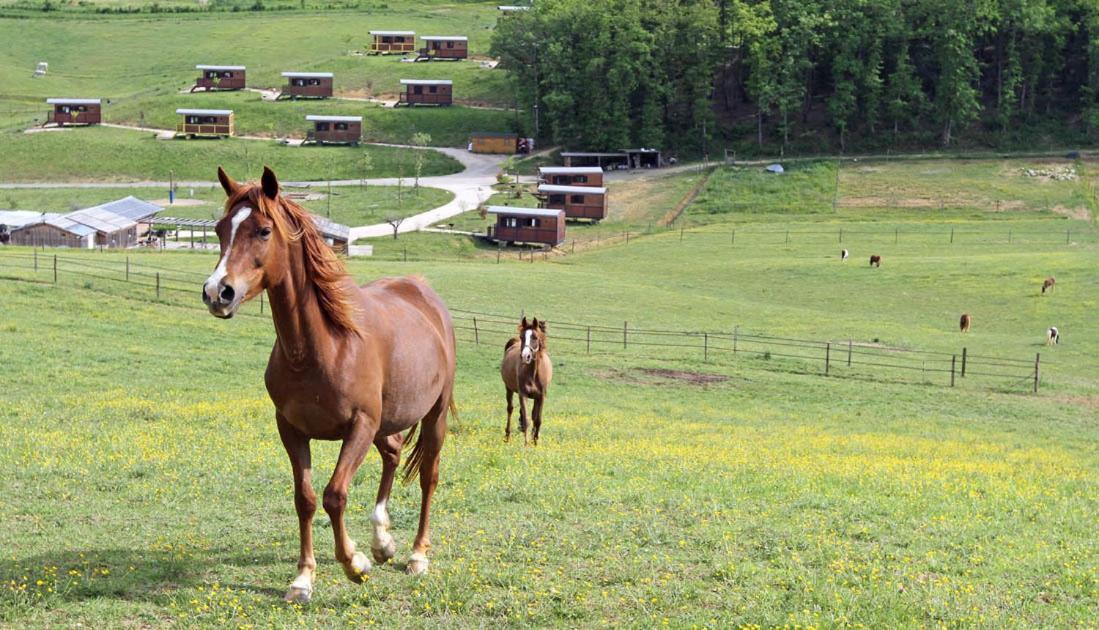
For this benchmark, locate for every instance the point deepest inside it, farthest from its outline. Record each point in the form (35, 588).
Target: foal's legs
(297, 447)
(511, 407)
(432, 432)
(523, 416)
(355, 445)
(536, 415)
(382, 545)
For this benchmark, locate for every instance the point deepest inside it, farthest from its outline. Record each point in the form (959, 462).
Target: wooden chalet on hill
(426, 92)
(74, 111)
(527, 225)
(335, 129)
(308, 84)
(386, 42)
(578, 202)
(450, 47)
(571, 175)
(209, 123)
(219, 78)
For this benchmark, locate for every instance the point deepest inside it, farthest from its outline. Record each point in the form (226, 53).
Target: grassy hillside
(146, 484)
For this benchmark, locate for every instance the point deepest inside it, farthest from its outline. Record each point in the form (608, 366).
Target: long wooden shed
(452, 47)
(527, 225)
(74, 111)
(215, 123)
(54, 230)
(386, 42)
(494, 142)
(219, 78)
(578, 202)
(308, 84)
(335, 129)
(427, 92)
(571, 175)
(590, 158)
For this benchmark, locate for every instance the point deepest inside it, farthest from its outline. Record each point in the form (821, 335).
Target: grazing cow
(965, 323)
(844, 254)
(1048, 284)
(1053, 336)
(875, 261)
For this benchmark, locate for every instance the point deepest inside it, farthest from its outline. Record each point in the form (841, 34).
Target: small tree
(420, 140)
(366, 162)
(394, 222)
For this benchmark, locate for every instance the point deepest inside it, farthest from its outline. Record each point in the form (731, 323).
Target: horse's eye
(265, 233)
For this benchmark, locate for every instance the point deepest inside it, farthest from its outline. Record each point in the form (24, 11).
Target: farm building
(494, 142)
(335, 129)
(54, 230)
(130, 208)
(74, 111)
(308, 84)
(426, 92)
(116, 223)
(219, 78)
(386, 42)
(644, 158)
(527, 225)
(337, 235)
(605, 161)
(215, 123)
(444, 47)
(14, 223)
(578, 202)
(571, 175)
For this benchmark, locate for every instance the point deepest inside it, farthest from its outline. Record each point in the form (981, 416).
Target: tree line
(812, 75)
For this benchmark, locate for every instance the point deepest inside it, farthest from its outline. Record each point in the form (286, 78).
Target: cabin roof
(16, 219)
(207, 67)
(72, 227)
(74, 101)
(391, 33)
(426, 82)
(101, 219)
(588, 190)
(525, 212)
(309, 75)
(205, 112)
(313, 118)
(570, 170)
(331, 229)
(129, 207)
(444, 38)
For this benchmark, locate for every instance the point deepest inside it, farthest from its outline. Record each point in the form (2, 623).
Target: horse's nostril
(227, 293)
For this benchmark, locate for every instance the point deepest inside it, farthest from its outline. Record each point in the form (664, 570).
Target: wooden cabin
(644, 158)
(494, 142)
(578, 202)
(335, 129)
(571, 175)
(74, 111)
(527, 225)
(451, 47)
(426, 92)
(211, 123)
(606, 161)
(308, 84)
(54, 231)
(386, 42)
(219, 78)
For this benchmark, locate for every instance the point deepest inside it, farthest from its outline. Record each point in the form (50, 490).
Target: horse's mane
(326, 271)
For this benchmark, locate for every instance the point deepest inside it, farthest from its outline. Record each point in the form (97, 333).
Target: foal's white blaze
(219, 272)
(527, 354)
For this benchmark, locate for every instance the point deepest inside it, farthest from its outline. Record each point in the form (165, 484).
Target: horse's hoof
(299, 595)
(417, 564)
(385, 552)
(356, 569)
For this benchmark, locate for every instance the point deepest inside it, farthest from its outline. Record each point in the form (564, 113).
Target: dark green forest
(807, 76)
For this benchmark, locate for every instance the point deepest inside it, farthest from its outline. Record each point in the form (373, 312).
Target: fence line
(838, 358)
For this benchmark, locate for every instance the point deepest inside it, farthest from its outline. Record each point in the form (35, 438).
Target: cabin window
(557, 199)
(450, 44)
(576, 199)
(341, 126)
(386, 39)
(297, 82)
(314, 82)
(227, 75)
(417, 89)
(211, 74)
(322, 126)
(511, 222)
(533, 223)
(433, 88)
(580, 179)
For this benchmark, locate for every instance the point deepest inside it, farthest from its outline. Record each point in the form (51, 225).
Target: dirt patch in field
(1087, 402)
(1081, 214)
(662, 376)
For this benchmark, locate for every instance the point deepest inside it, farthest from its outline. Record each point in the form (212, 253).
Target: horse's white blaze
(527, 353)
(219, 272)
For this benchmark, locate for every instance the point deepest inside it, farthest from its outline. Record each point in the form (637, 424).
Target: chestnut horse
(875, 261)
(965, 322)
(1048, 284)
(527, 369)
(356, 364)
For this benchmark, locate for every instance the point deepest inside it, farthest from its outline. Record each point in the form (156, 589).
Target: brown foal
(356, 364)
(527, 370)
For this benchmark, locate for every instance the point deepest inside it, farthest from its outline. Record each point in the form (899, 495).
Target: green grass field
(145, 483)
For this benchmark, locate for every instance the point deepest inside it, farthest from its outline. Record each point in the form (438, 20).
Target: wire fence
(488, 331)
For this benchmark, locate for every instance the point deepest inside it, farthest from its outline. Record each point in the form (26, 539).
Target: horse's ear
(523, 324)
(228, 184)
(270, 183)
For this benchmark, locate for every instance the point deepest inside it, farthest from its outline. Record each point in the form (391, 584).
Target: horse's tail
(416, 457)
(511, 342)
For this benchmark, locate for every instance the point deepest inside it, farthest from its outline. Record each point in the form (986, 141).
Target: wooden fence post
(36, 260)
(55, 268)
(158, 285)
(1068, 241)
(589, 339)
(735, 330)
(787, 237)
(849, 344)
(705, 346)
(1037, 360)
(841, 235)
(627, 237)
(406, 253)
(127, 269)
(1009, 237)
(732, 239)
(965, 352)
(476, 334)
(261, 303)
(827, 357)
(498, 255)
(951, 235)
(625, 326)
(953, 358)
(896, 235)
(681, 234)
